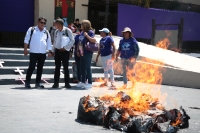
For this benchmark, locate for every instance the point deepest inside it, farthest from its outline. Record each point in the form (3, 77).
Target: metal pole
(181, 33)
(106, 13)
(153, 31)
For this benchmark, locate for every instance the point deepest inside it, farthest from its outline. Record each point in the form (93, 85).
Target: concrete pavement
(55, 110)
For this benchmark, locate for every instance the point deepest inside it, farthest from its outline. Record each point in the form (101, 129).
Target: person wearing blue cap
(128, 51)
(107, 52)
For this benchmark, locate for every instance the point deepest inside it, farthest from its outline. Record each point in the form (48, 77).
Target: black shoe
(39, 85)
(55, 86)
(27, 85)
(68, 86)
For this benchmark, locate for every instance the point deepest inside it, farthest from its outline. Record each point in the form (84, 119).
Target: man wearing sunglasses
(39, 40)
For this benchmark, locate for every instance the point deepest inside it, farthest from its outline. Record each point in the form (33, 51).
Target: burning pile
(139, 109)
(113, 113)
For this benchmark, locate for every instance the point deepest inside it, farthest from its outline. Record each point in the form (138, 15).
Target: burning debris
(118, 113)
(137, 110)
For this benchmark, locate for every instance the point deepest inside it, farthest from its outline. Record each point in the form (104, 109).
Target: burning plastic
(103, 111)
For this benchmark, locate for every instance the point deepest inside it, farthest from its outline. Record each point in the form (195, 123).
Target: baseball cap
(104, 30)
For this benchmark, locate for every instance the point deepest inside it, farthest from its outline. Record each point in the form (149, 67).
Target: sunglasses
(43, 22)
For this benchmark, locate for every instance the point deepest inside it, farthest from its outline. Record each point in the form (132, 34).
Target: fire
(99, 80)
(178, 120)
(146, 71)
(150, 72)
(87, 106)
(136, 101)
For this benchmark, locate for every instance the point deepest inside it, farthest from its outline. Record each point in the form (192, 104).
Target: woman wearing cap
(86, 35)
(128, 51)
(107, 52)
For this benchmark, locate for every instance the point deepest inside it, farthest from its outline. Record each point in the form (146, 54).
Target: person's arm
(136, 49)
(98, 53)
(111, 41)
(49, 45)
(118, 51)
(113, 54)
(26, 41)
(71, 37)
(90, 37)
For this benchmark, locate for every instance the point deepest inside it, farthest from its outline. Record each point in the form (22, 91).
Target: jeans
(108, 67)
(85, 61)
(78, 65)
(126, 65)
(39, 59)
(64, 57)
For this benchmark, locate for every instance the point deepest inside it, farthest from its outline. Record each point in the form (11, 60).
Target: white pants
(108, 67)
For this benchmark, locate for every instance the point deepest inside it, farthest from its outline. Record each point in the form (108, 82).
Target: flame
(141, 97)
(86, 105)
(99, 80)
(178, 120)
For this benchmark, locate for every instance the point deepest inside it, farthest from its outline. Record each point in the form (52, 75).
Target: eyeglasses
(43, 22)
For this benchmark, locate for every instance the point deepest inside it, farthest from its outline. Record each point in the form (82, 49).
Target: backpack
(50, 29)
(56, 32)
(32, 29)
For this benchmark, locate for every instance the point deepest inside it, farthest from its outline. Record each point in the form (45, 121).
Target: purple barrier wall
(140, 21)
(16, 15)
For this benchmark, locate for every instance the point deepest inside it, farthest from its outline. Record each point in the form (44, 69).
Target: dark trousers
(64, 57)
(78, 65)
(86, 67)
(39, 59)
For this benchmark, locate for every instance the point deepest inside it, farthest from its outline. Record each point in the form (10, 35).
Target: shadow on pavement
(48, 88)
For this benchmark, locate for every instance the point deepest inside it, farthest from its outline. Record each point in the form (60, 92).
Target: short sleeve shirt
(106, 46)
(84, 39)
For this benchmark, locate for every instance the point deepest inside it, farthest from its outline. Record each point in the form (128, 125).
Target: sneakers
(88, 86)
(113, 85)
(80, 84)
(104, 84)
(39, 85)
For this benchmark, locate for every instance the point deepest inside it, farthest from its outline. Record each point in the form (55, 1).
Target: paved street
(55, 111)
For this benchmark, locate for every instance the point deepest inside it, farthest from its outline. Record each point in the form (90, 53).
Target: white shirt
(58, 39)
(39, 42)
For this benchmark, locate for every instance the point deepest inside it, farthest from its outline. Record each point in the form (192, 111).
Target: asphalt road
(55, 110)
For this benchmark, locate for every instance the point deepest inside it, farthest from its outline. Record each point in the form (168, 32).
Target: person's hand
(78, 54)
(113, 57)
(116, 59)
(132, 59)
(70, 55)
(62, 50)
(25, 52)
(97, 59)
(49, 55)
(85, 33)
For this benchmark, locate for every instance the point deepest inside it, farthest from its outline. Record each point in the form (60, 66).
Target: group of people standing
(39, 40)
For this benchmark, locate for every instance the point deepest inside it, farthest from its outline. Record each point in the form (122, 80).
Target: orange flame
(141, 97)
(178, 120)
(99, 80)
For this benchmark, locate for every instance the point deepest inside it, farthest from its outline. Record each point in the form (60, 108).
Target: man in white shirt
(63, 41)
(39, 40)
